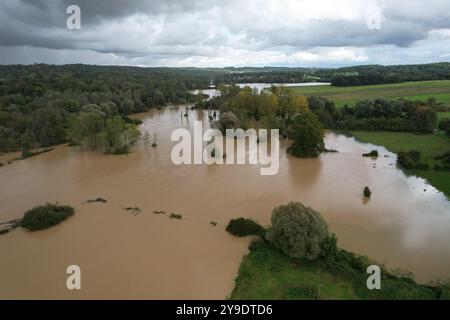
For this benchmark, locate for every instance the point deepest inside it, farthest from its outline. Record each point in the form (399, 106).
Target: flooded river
(405, 224)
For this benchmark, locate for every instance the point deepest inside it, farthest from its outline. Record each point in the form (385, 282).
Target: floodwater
(405, 224)
(213, 92)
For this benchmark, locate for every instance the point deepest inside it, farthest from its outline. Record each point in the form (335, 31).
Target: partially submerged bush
(45, 216)
(367, 192)
(297, 231)
(227, 120)
(373, 153)
(244, 227)
(175, 216)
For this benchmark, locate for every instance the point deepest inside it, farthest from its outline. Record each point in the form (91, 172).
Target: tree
(227, 120)
(291, 104)
(119, 136)
(200, 104)
(307, 133)
(27, 140)
(297, 231)
(425, 119)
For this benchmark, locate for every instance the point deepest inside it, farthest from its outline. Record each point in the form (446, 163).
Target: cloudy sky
(202, 33)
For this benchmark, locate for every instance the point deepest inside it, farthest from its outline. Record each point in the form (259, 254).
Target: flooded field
(405, 224)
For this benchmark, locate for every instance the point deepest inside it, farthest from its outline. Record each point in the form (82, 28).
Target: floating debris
(10, 225)
(95, 200)
(133, 210)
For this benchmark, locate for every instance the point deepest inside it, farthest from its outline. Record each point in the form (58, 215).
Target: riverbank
(429, 145)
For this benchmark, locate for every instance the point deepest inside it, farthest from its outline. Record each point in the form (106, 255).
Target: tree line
(378, 115)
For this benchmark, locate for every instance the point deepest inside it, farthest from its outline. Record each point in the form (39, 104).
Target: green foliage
(444, 125)
(94, 130)
(119, 136)
(267, 273)
(37, 101)
(411, 160)
(245, 227)
(227, 120)
(376, 74)
(425, 119)
(297, 231)
(45, 216)
(307, 133)
(373, 153)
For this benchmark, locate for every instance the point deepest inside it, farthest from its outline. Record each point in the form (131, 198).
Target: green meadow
(421, 90)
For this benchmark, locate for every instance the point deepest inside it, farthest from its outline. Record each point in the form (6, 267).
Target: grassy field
(268, 274)
(429, 145)
(421, 90)
(443, 115)
(265, 273)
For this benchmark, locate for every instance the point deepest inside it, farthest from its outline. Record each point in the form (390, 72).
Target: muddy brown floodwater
(406, 223)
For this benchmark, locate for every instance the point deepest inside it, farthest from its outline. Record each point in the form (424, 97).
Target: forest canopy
(37, 101)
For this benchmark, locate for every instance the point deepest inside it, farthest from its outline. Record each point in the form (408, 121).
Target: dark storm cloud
(170, 30)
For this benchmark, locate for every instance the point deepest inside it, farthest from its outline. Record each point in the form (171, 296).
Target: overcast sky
(202, 33)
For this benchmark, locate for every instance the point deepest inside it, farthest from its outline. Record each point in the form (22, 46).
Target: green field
(442, 115)
(429, 145)
(421, 90)
(266, 273)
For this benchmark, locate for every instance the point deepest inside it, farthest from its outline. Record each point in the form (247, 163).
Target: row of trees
(347, 76)
(377, 115)
(376, 74)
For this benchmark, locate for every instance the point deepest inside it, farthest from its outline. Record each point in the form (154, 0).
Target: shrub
(297, 231)
(227, 120)
(45, 216)
(444, 124)
(245, 227)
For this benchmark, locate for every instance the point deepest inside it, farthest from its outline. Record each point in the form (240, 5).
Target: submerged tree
(227, 120)
(93, 130)
(307, 133)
